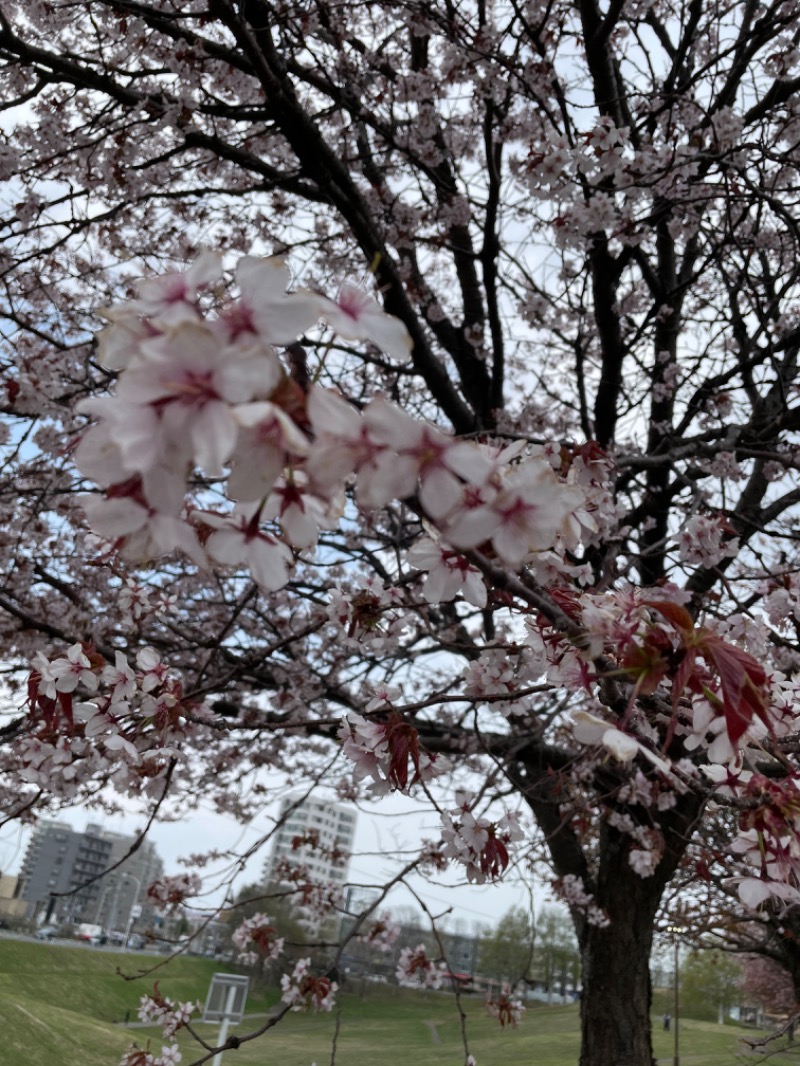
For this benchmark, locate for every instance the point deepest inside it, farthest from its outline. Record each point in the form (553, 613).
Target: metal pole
(129, 925)
(99, 910)
(112, 919)
(223, 1029)
(676, 1058)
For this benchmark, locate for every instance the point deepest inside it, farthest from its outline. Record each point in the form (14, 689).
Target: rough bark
(615, 961)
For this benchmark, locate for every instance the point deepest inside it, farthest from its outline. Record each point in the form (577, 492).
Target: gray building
(64, 877)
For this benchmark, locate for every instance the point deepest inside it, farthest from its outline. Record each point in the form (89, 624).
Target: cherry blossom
(479, 844)
(266, 309)
(238, 540)
(267, 438)
(302, 990)
(66, 673)
(449, 573)
(416, 970)
(354, 315)
(191, 381)
(255, 939)
(529, 513)
(589, 729)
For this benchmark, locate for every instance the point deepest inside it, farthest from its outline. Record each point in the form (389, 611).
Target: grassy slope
(58, 1006)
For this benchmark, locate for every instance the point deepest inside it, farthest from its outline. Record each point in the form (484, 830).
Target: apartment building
(64, 877)
(334, 827)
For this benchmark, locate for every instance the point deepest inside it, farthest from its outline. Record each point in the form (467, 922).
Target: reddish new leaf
(743, 681)
(402, 741)
(676, 615)
(646, 663)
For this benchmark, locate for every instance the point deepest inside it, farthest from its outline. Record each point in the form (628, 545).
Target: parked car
(47, 932)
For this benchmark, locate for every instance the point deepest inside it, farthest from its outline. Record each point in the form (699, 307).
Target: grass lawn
(60, 1006)
(388, 1027)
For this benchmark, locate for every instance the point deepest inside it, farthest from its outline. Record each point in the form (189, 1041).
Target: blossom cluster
(159, 1010)
(381, 933)
(171, 891)
(387, 749)
(302, 990)
(367, 615)
(416, 970)
(138, 602)
(256, 940)
(768, 841)
(312, 900)
(481, 845)
(198, 393)
(136, 1056)
(707, 541)
(131, 720)
(572, 891)
(505, 1007)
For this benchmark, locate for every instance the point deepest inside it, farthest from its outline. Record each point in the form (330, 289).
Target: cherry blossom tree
(766, 983)
(404, 397)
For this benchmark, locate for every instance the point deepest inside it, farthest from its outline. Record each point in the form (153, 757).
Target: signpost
(225, 1004)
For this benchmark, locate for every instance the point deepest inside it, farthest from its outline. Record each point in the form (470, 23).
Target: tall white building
(334, 827)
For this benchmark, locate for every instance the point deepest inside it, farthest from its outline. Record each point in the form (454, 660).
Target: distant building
(361, 899)
(461, 950)
(331, 825)
(64, 878)
(10, 906)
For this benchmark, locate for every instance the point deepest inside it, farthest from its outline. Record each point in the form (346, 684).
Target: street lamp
(675, 930)
(131, 916)
(99, 912)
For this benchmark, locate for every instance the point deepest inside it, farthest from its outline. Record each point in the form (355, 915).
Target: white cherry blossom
(354, 315)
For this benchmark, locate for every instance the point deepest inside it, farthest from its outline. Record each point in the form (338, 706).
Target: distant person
(667, 1022)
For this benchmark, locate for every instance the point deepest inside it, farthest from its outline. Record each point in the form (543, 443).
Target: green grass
(390, 1026)
(59, 1007)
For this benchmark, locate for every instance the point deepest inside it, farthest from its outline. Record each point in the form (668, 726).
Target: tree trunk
(615, 959)
(616, 997)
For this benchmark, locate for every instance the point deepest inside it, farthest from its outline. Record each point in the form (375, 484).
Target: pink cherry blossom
(266, 309)
(193, 382)
(354, 315)
(239, 540)
(266, 441)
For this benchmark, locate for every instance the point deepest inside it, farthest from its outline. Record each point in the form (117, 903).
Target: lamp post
(675, 930)
(99, 912)
(131, 916)
(676, 1058)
